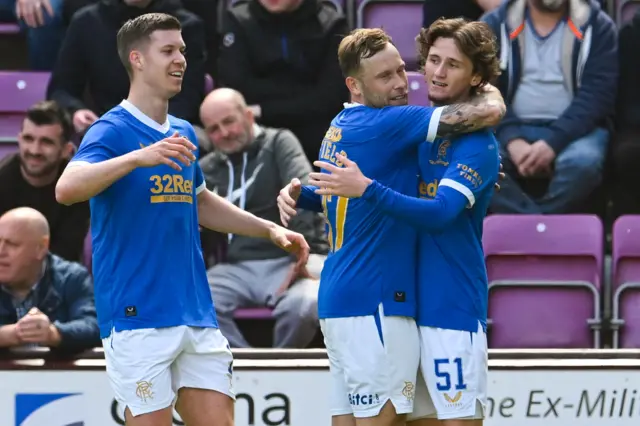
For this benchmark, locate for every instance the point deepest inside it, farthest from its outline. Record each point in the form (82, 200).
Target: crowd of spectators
(569, 78)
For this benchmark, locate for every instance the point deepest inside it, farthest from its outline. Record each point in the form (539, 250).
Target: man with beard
(29, 177)
(248, 167)
(559, 76)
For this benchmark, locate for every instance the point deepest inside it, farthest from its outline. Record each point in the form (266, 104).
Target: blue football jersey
(147, 260)
(372, 259)
(452, 280)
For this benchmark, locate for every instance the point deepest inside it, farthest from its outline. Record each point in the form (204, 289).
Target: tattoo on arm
(469, 117)
(461, 118)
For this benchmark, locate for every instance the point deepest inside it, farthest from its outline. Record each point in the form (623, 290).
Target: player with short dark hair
(367, 300)
(457, 181)
(138, 167)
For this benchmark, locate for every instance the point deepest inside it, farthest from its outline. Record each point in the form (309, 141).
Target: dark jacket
(628, 105)
(68, 224)
(269, 163)
(287, 64)
(589, 63)
(89, 59)
(65, 295)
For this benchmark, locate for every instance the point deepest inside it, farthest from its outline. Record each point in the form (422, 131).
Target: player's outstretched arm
(484, 110)
(426, 215)
(218, 214)
(82, 179)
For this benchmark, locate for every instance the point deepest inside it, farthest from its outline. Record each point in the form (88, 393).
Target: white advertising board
(299, 398)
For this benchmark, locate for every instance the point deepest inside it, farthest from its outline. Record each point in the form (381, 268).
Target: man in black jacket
(282, 55)
(89, 60)
(250, 165)
(44, 300)
(29, 177)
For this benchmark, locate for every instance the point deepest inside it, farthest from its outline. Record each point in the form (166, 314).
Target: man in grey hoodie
(249, 166)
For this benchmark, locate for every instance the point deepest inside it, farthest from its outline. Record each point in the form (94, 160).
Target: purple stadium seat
(544, 280)
(19, 91)
(626, 282)
(209, 85)
(625, 9)
(418, 92)
(7, 148)
(9, 28)
(253, 313)
(401, 19)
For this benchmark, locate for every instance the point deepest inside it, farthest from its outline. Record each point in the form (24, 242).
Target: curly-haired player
(457, 181)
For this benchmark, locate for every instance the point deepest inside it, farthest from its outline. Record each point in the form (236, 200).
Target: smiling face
(42, 149)
(160, 62)
(449, 73)
(382, 80)
(459, 57)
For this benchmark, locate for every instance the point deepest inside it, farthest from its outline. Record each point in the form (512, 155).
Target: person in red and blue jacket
(559, 62)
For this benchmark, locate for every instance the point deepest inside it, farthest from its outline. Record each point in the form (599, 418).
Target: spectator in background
(44, 300)
(249, 166)
(559, 76)
(282, 56)
(469, 9)
(29, 177)
(207, 10)
(626, 148)
(42, 21)
(89, 61)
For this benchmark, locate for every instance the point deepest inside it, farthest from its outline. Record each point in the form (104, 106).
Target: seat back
(19, 91)
(544, 275)
(418, 92)
(625, 282)
(209, 84)
(7, 148)
(401, 19)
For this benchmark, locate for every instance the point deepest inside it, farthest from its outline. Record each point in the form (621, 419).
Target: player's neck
(460, 100)
(154, 107)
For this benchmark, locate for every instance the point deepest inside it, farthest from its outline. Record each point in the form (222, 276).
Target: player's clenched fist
(287, 200)
(166, 151)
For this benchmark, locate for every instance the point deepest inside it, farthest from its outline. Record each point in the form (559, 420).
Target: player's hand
(34, 327)
(292, 242)
(347, 181)
(287, 200)
(167, 151)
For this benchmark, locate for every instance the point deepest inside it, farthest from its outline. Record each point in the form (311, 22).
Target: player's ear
(136, 60)
(476, 80)
(353, 85)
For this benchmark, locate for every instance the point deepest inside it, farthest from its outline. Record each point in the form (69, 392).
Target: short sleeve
(198, 179)
(474, 165)
(413, 124)
(101, 142)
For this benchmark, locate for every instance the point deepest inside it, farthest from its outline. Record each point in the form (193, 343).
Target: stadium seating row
(547, 281)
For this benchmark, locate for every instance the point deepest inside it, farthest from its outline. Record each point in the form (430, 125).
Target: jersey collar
(145, 119)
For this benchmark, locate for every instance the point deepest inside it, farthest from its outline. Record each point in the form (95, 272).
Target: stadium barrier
(290, 387)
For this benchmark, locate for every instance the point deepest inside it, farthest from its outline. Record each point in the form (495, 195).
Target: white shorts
(372, 359)
(146, 367)
(454, 366)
